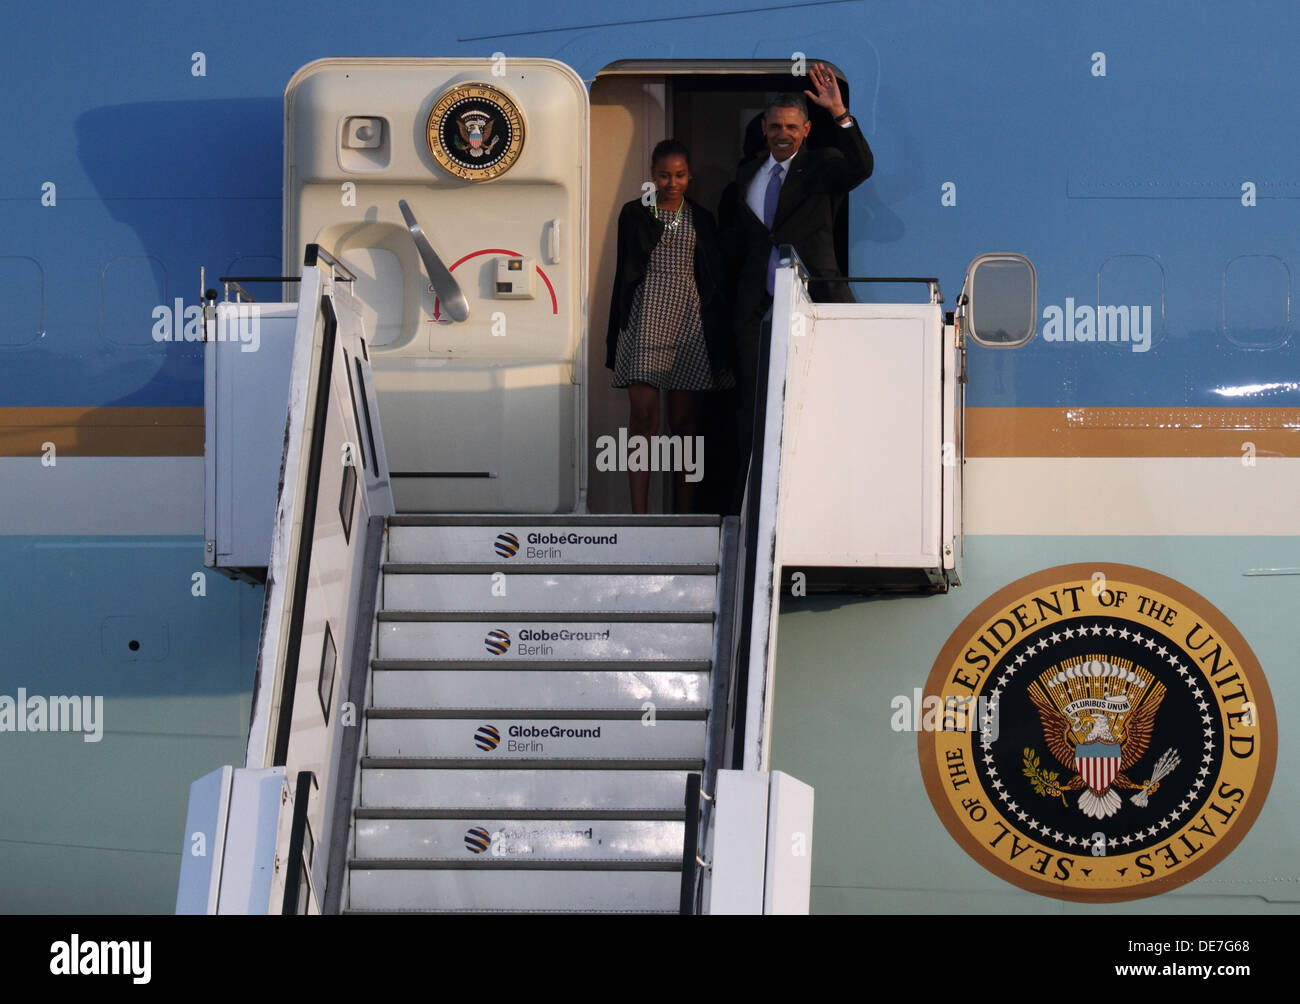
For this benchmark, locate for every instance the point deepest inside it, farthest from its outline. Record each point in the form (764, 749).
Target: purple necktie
(770, 198)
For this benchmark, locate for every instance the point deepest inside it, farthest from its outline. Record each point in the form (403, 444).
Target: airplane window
(1256, 301)
(1003, 293)
(328, 666)
(1130, 301)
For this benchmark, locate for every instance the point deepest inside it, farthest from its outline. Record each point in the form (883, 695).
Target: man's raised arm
(858, 161)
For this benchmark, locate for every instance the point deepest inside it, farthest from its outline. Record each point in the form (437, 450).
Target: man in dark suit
(790, 196)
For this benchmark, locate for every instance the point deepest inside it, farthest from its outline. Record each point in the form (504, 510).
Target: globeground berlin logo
(506, 544)
(497, 642)
(1136, 742)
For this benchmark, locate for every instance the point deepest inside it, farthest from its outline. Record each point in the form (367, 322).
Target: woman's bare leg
(642, 421)
(681, 419)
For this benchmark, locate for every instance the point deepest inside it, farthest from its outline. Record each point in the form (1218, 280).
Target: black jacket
(815, 186)
(638, 235)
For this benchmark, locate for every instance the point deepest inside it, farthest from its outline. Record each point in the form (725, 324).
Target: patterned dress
(663, 343)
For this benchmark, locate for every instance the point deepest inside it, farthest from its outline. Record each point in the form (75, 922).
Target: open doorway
(709, 106)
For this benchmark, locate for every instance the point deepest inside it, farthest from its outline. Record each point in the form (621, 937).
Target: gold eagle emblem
(1098, 717)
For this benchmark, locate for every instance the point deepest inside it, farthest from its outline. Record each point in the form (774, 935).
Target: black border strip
(345, 782)
(306, 535)
(295, 865)
(689, 849)
(356, 415)
(365, 407)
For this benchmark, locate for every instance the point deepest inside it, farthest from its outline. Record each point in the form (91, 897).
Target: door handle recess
(446, 287)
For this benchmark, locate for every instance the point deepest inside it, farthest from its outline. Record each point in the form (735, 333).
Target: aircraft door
(456, 190)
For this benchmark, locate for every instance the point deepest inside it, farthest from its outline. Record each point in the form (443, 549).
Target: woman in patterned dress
(669, 324)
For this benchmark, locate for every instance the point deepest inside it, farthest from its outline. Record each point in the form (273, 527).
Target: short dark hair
(789, 100)
(667, 148)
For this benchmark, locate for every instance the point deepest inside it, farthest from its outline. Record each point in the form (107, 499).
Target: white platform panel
(866, 395)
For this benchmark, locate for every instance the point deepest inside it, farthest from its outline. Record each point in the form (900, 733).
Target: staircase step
(539, 666)
(502, 791)
(536, 762)
(570, 542)
(511, 689)
(506, 639)
(505, 842)
(674, 815)
(517, 864)
(482, 712)
(559, 519)
(585, 618)
(533, 739)
(513, 891)
(487, 567)
(499, 590)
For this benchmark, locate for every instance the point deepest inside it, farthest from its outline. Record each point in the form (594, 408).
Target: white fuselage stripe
(1130, 496)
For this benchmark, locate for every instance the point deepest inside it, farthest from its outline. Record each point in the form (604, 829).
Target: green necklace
(674, 217)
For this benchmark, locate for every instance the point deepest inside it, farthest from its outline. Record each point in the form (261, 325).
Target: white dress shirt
(758, 187)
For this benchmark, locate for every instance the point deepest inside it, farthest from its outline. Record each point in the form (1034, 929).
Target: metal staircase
(489, 713)
(540, 689)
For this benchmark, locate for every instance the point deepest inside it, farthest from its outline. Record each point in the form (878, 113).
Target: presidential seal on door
(475, 132)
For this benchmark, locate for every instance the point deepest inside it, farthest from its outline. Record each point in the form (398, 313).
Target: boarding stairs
(533, 711)
(474, 713)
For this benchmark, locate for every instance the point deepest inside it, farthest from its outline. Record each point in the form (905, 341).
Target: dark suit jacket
(814, 187)
(638, 234)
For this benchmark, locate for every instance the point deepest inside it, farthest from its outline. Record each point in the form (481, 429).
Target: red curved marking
(555, 305)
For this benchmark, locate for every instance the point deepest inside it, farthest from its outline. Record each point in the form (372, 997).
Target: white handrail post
(787, 293)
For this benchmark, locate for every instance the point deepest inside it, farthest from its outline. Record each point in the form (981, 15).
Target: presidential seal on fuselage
(1134, 740)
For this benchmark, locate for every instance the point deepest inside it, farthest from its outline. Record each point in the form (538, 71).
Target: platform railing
(760, 581)
(749, 583)
(334, 493)
(702, 788)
